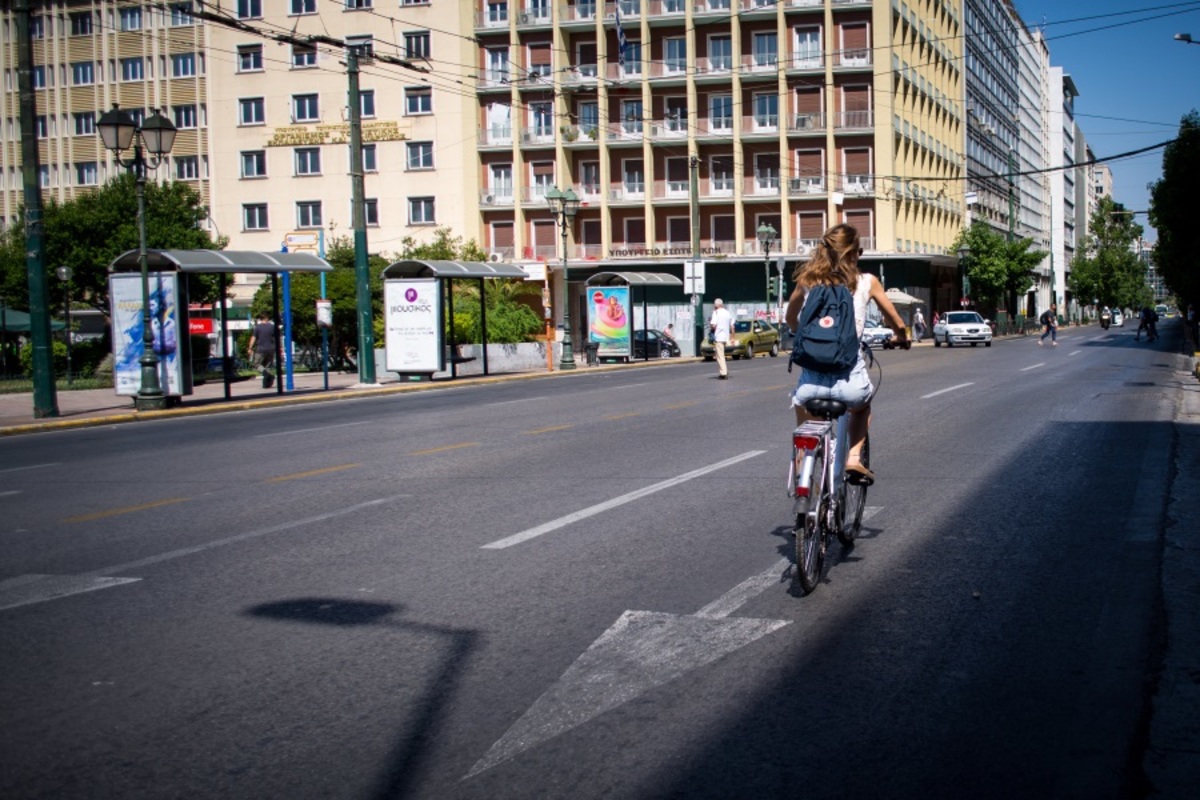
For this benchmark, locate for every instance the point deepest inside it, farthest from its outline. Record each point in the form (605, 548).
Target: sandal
(857, 473)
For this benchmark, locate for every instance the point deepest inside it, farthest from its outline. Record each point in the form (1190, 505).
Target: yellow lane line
(443, 449)
(312, 472)
(677, 406)
(127, 510)
(550, 429)
(624, 416)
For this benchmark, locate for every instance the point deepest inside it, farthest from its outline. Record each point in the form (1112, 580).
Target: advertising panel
(609, 321)
(413, 325)
(125, 295)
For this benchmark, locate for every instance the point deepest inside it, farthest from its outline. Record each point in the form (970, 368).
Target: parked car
(1118, 318)
(749, 337)
(876, 334)
(962, 327)
(660, 345)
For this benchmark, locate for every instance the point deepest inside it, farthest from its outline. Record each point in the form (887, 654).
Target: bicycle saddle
(826, 409)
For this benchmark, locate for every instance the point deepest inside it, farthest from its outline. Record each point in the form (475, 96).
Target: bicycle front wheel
(810, 541)
(856, 501)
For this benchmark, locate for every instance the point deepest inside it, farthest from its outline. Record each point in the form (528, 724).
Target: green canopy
(15, 321)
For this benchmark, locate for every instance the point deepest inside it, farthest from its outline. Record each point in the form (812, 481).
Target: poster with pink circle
(609, 323)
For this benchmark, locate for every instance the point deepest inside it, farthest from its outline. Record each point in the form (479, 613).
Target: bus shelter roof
(452, 269)
(245, 261)
(634, 279)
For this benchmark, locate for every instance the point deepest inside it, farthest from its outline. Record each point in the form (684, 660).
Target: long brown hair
(835, 260)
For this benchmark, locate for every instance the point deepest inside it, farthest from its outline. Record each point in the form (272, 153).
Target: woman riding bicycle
(835, 262)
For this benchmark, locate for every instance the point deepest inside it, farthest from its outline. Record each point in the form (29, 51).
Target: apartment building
(1062, 131)
(88, 55)
(799, 114)
(281, 161)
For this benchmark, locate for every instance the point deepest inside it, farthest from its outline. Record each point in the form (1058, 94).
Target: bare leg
(860, 422)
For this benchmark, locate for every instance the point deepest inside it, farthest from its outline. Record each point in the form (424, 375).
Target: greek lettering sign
(413, 325)
(292, 135)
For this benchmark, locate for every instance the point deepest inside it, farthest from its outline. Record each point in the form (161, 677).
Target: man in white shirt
(720, 324)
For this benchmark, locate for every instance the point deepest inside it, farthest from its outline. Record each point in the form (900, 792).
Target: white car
(962, 327)
(1118, 319)
(876, 334)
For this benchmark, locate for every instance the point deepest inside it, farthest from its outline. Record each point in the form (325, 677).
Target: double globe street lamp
(564, 206)
(766, 238)
(156, 135)
(64, 274)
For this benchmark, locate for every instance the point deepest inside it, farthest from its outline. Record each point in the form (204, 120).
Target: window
(416, 45)
(187, 168)
(371, 211)
(305, 108)
(81, 23)
(420, 211)
(251, 111)
(183, 65)
(418, 100)
(249, 9)
(766, 111)
(420, 155)
(675, 54)
(721, 112)
(414, 2)
(299, 7)
(133, 69)
(85, 173)
(180, 15)
(40, 127)
(44, 176)
(39, 77)
(83, 73)
(631, 117)
(808, 48)
(250, 58)
(366, 103)
(184, 116)
(368, 158)
(130, 18)
(85, 123)
(254, 163)
(766, 49)
(589, 116)
(541, 119)
(304, 56)
(633, 58)
(308, 161)
(357, 5)
(308, 214)
(254, 217)
(37, 27)
(720, 53)
(540, 61)
(501, 183)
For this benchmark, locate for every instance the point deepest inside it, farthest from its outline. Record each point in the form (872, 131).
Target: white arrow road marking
(642, 650)
(599, 508)
(1035, 366)
(26, 589)
(947, 389)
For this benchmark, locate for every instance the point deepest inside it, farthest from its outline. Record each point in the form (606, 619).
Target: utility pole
(694, 205)
(362, 272)
(45, 397)
(1012, 198)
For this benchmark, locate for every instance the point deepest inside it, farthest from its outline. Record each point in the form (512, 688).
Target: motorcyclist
(1105, 318)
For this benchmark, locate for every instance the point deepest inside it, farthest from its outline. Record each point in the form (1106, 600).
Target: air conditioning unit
(487, 200)
(495, 257)
(857, 188)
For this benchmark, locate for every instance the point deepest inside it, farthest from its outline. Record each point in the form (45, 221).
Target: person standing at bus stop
(720, 326)
(262, 349)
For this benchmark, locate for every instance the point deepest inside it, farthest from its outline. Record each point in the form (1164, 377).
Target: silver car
(962, 327)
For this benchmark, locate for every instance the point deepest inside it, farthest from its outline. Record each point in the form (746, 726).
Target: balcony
(630, 9)
(628, 191)
(582, 75)
(535, 194)
(760, 125)
(628, 72)
(806, 123)
(669, 128)
(538, 135)
(493, 79)
(717, 189)
(760, 64)
(589, 192)
(858, 57)
(806, 4)
(675, 69)
(589, 252)
(858, 185)
(495, 136)
(531, 18)
(714, 66)
(579, 135)
(853, 120)
(658, 9)
(763, 184)
(703, 7)
(805, 62)
(801, 187)
(494, 17)
(501, 197)
(583, 11)
(749, 7)
(542, 252)
(671, 190)
(721, 127)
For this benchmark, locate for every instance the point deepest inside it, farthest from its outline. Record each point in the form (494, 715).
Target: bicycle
(828, 502)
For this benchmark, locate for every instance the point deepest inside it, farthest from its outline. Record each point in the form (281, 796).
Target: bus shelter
(415, 296)
(167, 272)
(610, 302)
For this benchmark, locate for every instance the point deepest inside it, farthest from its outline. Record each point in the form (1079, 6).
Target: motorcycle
(1105, 320)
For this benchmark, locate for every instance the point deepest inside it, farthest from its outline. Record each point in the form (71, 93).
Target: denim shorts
(853, 388)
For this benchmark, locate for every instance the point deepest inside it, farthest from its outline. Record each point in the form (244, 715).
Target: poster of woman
(125, 294)
(609, 323)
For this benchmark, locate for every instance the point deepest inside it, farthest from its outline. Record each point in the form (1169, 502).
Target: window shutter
(808, 101)
(854, 37)
(502, 234)
(635, 231)
(861, 220)
(810, 164)
(723, 228)
(543, 233)
(858, 161)
(856, 98)
(812, 224)
(539, 55)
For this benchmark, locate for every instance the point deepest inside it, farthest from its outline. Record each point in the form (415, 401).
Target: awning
(15, 321)
(452, 269)
(210, 261)
(634, 279)
(900, 298)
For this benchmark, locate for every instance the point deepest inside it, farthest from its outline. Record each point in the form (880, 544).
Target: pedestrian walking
(918, 325)
(262, 349)
(1049, 320)
(720, 326)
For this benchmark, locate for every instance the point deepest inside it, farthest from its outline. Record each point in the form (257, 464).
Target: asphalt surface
(538, 587)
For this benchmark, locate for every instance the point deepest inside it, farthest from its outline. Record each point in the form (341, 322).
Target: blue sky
(1135, 80)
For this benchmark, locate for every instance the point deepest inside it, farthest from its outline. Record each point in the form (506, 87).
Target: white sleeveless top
(862, 296)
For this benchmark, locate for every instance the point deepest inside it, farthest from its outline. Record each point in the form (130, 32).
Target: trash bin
(593, 353)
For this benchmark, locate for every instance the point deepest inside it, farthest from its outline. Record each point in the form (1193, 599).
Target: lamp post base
(568, 357)
(150, 396)
(150, 402)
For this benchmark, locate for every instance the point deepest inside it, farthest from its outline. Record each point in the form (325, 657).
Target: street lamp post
(119, 131)
(1186, 38)
(564, 206)
(766, 238)
(964, 253)
(64, 274)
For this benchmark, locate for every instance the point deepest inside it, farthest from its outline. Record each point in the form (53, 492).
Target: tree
(999, 270)
(1174, 211)
(1106, 270)
(88, 232)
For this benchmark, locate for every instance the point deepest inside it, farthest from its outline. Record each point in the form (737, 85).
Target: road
(576, 587)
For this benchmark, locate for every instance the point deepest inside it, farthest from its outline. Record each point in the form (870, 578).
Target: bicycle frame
(830, 437)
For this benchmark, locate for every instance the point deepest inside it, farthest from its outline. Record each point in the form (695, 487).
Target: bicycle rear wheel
(810, 541)
(856, 501)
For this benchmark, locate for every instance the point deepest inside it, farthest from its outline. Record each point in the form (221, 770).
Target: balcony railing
(806, 3)
(760, 63)
(630, 9)
(535, 193)
(856, 184)
(589, 252)
(582, 75)
(805, 61)
(760, 123)
(496, 135)
(627, 191)
(858, 57)
(853, 119)
(712, 6)
(492, 17)
(669, 128)
(672, 190)
(798, 187)
(535, 16)
(714, 126)
(758, 6)
(764, 184)
(582, 10)
(719, 188)
(580, 134)
(663, 8)
(539, 134)
(718, 65)
(490, 198)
